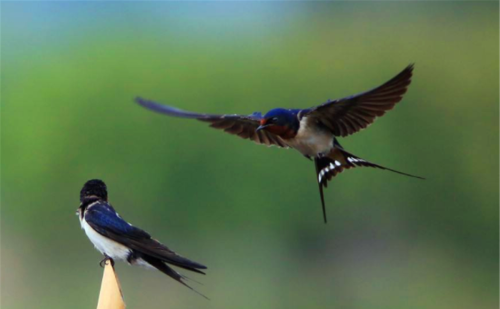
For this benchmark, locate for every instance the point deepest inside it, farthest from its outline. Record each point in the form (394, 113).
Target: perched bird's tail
(164, 268)
(335, 162)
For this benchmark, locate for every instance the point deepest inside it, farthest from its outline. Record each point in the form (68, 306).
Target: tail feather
(355, 161)
(335, 162)
(318, 170)
(187, 264)
(164, 268)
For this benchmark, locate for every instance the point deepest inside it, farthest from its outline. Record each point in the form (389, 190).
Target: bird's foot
(102, 263)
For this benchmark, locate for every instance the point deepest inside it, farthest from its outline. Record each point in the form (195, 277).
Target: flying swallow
(312, 131)
(117, 239)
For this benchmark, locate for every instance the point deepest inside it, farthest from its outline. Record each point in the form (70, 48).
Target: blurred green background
(252, 214)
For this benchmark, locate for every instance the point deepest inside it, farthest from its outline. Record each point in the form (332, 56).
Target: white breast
(105, 245)
(310, 141)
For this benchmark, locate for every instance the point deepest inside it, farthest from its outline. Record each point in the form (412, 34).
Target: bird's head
(280, 121)
(94, 188)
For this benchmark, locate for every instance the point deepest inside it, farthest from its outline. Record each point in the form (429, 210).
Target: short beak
(261, 127)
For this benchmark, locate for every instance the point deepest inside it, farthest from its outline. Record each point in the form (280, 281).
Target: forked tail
(164, 268)
(335, 162)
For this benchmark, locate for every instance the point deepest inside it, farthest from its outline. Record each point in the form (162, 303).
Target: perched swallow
(117, 239)
(312, 131)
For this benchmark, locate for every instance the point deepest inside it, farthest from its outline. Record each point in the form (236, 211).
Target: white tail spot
(321, 174)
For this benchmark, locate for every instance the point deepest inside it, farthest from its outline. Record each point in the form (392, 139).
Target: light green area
(252, 214)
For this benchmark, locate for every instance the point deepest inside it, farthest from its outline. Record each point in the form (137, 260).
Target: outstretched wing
(243, 126)
(351, 114)
(105, 221)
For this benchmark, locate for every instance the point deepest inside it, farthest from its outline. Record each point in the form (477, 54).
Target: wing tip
(200, 266)
(140, 101)
(146, 103)
(409, 71)
(169, 110)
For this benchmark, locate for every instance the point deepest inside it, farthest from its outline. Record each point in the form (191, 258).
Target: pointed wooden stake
(110, 296)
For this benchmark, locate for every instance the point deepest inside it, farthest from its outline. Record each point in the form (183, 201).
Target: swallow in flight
(312, 131)
(117, 239)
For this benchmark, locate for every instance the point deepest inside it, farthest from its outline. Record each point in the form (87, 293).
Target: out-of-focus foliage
(70, 72)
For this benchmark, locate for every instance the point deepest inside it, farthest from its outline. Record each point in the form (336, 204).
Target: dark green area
(252, 214)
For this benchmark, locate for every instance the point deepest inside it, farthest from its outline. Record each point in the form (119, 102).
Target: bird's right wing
(346, 116)
(244, 126)
(105, 221)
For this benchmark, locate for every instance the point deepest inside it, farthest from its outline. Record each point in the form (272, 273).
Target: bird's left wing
(244, 126)
(105, 221)
(351, 114)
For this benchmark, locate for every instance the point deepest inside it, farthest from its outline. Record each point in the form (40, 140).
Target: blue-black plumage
(117, 239)
(312, 131)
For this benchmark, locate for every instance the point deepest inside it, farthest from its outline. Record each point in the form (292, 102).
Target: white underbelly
(311, 142)
(105, 245)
